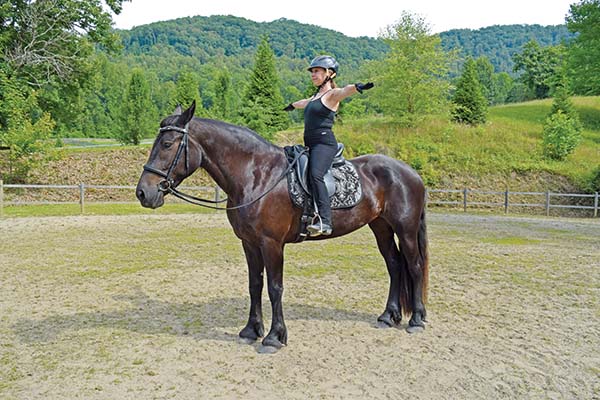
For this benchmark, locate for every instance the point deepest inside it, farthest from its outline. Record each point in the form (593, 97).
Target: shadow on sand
(215, 319)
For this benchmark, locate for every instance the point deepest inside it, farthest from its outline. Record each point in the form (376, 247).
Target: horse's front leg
(272, 253)
(254, 329)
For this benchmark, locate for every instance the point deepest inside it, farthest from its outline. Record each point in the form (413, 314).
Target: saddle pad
(348, 190)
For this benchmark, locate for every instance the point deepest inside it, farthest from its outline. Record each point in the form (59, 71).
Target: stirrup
(318, 228)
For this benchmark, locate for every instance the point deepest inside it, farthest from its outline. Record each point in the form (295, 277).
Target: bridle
(167, 185)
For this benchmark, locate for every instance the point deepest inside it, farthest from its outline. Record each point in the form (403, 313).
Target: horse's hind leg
(389, 250)
(416, 285)
(254, 329)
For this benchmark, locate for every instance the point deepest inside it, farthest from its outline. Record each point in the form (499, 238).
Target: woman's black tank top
(317, 116)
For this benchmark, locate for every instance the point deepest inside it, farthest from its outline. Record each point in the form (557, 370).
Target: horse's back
(387, 172)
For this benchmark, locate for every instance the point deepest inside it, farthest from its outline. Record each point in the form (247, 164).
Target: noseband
(167, 184)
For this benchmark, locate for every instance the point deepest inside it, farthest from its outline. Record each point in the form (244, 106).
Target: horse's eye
(168, 144)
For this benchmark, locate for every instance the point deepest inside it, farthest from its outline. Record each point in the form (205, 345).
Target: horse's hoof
(415, 329)
(262, 349)
(244, 340)
(383, 324)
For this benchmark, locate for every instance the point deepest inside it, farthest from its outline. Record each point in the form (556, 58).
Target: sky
(355, 18)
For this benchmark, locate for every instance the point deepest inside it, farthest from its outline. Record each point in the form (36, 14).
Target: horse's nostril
(140, 195)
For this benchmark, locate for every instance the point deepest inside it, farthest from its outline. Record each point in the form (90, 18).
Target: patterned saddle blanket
(342, 180)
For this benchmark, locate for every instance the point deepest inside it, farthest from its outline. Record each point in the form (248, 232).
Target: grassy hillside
(504, 154)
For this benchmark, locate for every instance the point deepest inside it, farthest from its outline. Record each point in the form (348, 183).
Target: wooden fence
(81, 190)
(455, 198)
(470, 198)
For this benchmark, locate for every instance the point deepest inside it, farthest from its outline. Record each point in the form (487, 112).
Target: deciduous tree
(412, 79)
(584, 50)
(45, 44)
(540, 66)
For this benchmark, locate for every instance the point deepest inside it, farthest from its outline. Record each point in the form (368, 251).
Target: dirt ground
(149, 307)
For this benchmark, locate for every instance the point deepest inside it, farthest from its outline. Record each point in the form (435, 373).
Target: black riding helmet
(326, 62)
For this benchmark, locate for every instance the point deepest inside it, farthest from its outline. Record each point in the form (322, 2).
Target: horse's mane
(232, 129)
(237, 130)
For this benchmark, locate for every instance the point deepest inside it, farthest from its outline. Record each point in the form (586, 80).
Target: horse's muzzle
(149, 198)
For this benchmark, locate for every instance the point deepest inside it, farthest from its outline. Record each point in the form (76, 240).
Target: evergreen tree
(139, 112)
(562, 129)
(562, 101)
(187, 91)
(262, 106)
(485, 76)
(470, 105)
(222, 106)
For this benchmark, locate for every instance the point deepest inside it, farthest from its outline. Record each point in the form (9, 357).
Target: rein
(166, 185)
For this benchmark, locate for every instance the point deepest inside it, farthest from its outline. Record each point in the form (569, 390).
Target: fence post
(506, 202)
(547, 203)
(81, 196)
(595, 204)
(217, 194)
(465, 199)
(2, 198)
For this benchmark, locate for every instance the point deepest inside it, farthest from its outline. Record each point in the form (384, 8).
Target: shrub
(561, 135)
(595, 180)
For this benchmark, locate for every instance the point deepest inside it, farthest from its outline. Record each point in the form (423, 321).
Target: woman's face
(318, 75)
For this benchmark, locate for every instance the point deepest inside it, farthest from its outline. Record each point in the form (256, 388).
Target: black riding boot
(321, 157)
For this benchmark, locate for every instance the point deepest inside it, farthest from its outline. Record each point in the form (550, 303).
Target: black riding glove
(290, 107)
(366, 86)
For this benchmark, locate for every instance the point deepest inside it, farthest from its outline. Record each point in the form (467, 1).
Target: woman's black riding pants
(323, 146)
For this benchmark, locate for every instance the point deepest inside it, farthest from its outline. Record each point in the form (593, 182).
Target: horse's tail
(406, 281)
(424, 255)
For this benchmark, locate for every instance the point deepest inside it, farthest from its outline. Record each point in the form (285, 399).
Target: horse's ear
(178, 110)
(187, 114)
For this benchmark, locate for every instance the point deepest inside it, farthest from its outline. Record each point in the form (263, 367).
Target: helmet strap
(327, 79)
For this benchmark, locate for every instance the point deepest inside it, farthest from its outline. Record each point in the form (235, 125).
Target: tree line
(66, 72)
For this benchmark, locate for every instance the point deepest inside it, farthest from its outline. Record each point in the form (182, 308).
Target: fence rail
(463, 198)
(468, 196)
(81, 194)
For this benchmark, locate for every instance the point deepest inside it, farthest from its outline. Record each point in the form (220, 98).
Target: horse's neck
(236, 160)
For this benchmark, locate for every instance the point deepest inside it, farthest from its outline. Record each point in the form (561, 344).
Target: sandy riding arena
(149, 307)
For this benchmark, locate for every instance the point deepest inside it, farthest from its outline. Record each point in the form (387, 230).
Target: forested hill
(207, 39)
(500, 42)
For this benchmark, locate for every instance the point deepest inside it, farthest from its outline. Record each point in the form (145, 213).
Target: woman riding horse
(252, 172)
(319, 114)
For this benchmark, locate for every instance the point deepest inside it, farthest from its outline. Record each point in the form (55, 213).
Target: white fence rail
(462, 198)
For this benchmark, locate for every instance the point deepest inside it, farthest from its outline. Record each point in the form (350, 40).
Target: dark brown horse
(246, 166)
